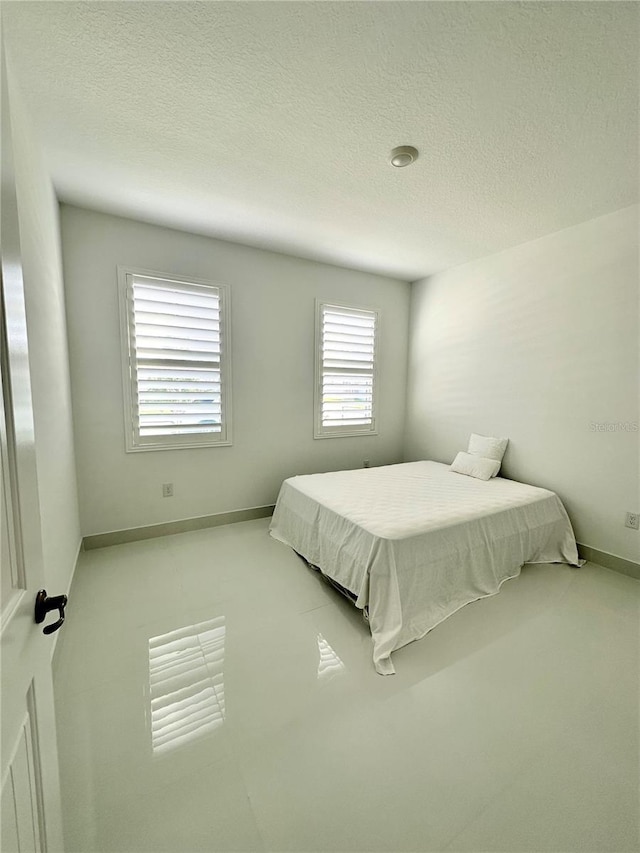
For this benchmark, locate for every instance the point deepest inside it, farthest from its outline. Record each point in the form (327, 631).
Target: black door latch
(44, 605)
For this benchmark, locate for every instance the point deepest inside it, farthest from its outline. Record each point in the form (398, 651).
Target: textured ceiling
(270, 123)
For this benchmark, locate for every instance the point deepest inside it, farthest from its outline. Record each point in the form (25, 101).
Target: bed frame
(350, 596)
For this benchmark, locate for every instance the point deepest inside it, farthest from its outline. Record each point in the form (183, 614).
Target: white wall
(48, 353)
(272, 309)
(538, 343)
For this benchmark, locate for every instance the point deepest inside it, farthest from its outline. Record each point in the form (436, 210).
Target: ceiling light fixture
(403, 155)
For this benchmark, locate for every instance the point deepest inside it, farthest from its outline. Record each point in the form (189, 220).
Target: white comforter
(415, 542)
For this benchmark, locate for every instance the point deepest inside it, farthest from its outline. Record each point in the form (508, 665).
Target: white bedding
(415, 542)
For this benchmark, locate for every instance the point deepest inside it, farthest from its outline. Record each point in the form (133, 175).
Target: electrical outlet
(365, 463)
(633, 520)
(167, 490)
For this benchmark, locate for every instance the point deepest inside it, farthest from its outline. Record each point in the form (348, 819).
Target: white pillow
(489, 448)
(475, 466)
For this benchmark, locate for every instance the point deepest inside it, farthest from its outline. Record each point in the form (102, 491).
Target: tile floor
(214, 694)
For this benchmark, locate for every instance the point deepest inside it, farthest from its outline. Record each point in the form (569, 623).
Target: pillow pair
(483, 457)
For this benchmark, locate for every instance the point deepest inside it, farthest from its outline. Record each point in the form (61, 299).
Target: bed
(413, 543)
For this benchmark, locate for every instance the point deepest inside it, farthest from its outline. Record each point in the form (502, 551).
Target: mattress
(415, 542)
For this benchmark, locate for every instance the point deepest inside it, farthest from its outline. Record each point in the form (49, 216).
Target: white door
(30, 818)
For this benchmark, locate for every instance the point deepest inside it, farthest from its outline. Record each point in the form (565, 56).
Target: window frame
(134, 443)
(350, 431)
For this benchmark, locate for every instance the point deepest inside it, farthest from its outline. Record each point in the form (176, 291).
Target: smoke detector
(403, 155)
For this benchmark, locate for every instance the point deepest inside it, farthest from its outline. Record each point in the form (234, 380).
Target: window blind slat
(331, 406)
(329, 397)
(363, 344)
(158, 431)
(168, 309)
(187, 321)
(150, 358)
(174, 296)
(342, 315)
(179, 333)
(338, 338)
(177, 420)
(349, 382)
(198, 410)
(177, 392)
(365, 368)
(178, 373)
(329, 422)
(168, 321)
(186, 428)
(168, 345)
(188, 396)
(350, 327)
(332, 350)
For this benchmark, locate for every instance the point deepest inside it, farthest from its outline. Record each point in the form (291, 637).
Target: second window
(345, 371)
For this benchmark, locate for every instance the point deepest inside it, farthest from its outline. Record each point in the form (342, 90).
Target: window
(345, 371)
(175, 361)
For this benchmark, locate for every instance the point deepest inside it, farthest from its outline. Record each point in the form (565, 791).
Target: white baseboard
(609, 561)
(54, 644)
(151, 531)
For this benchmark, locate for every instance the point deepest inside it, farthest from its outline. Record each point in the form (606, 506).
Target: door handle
(44, 605)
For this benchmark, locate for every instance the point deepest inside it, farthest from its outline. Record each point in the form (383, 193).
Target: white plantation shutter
(175, 372)
(345, 388)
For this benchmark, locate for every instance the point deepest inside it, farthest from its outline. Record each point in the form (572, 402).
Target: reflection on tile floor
(186, 681)
(214, 694)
